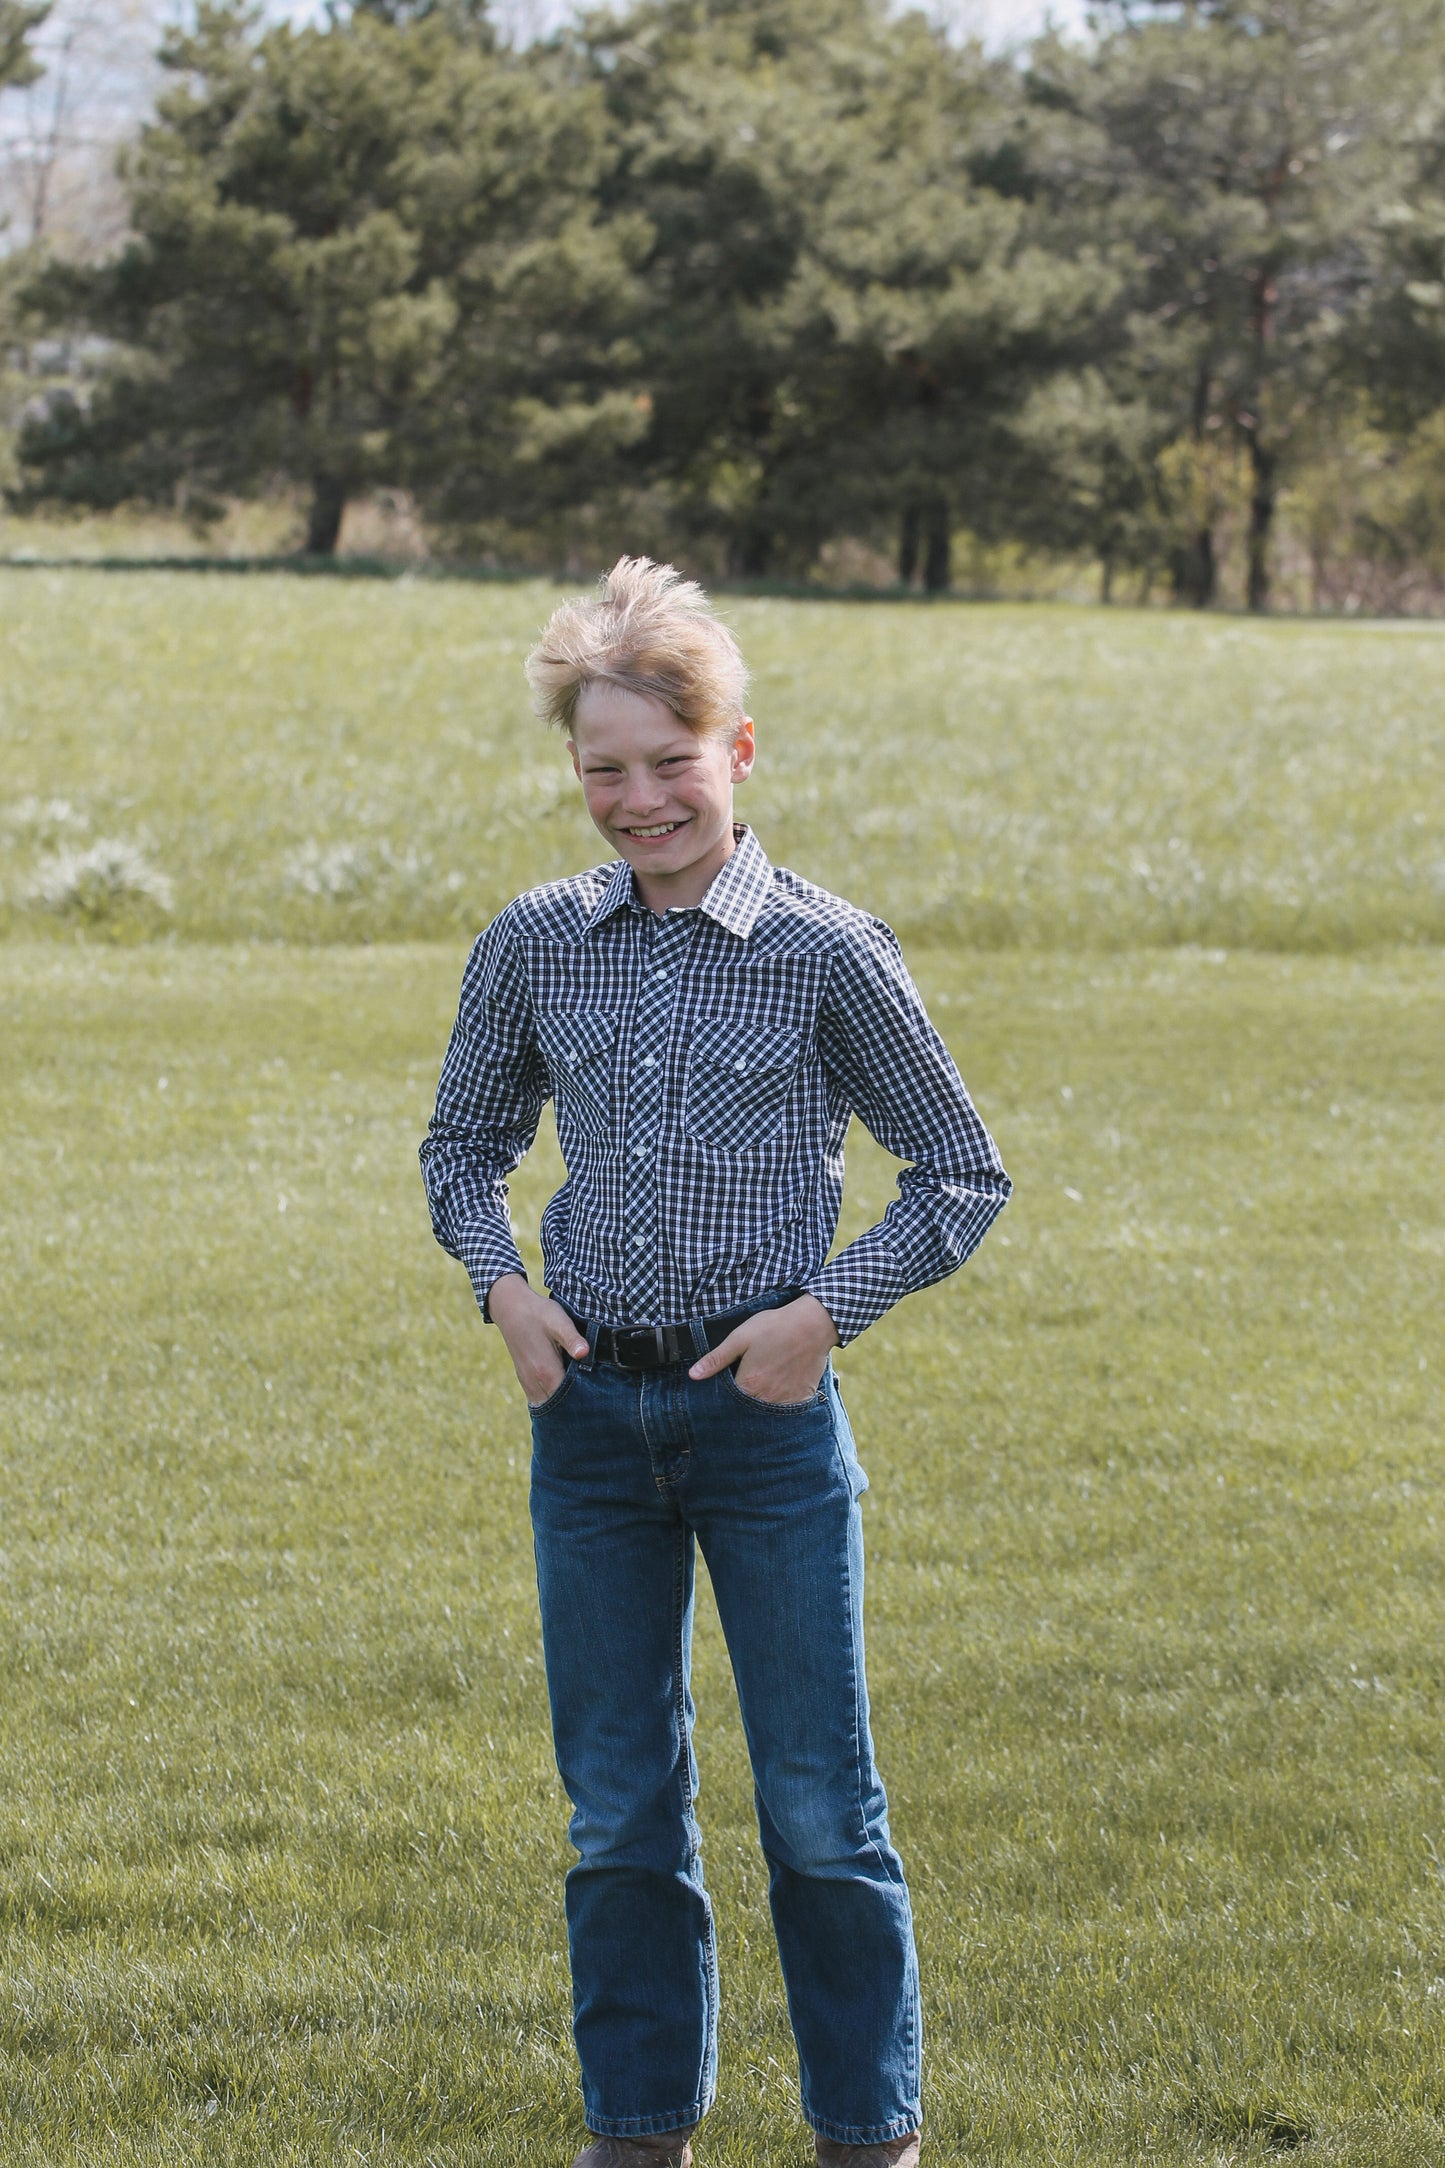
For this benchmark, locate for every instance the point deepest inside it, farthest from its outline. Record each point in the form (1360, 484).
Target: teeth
(665, 830)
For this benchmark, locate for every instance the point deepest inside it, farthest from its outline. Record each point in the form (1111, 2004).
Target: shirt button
(639, 1151)
(649, 1061)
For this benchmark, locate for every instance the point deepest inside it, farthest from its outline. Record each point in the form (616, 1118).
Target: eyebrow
(610, 760)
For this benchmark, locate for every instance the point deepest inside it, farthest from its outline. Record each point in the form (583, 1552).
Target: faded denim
(629, 1471)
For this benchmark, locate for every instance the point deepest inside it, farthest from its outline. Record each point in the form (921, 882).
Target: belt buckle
(655, 1346)
(645, 1339)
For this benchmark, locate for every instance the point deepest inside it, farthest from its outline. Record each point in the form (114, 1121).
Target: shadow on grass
(389, 568)
(1225, 2121)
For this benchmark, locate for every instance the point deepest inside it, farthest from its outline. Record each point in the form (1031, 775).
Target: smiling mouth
(650, 835)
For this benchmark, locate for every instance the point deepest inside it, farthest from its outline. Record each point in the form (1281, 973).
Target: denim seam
(775, 1407)
(694, 1849)
(649, 2126)
(875, 2134)
(902, 2126)
(664, 1479)
(914, 2042)
(571, 1372)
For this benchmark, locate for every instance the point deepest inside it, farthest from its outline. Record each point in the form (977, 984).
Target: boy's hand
(783, 1352)
(538, 1333)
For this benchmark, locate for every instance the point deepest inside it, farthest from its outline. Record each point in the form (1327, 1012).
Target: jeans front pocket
(774, 1407)
(560, 1392)
(739, 1077)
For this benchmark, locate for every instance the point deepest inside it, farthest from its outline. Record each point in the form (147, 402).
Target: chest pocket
(578, 1046)
(738, 1081)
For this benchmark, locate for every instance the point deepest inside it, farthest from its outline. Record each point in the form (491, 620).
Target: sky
(999, 22)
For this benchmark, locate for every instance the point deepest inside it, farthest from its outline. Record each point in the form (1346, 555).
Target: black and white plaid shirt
(703, 1066)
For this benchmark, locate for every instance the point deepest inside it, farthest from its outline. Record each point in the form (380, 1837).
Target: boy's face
(660, 793)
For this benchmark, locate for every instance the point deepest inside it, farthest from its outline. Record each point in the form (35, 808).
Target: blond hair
(650, 631)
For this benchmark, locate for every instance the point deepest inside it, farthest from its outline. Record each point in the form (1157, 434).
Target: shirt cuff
(858, 1286)
(488, 1256)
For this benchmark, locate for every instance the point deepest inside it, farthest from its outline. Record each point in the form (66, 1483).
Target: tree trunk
(1202, 582)
(908, 546)
(328, 508)
(751, 555)
(1265, 466)
(1146, 582)
(1106, 577)
(1196, 570)
(938, 547)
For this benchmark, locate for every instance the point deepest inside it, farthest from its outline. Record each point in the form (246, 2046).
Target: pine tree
(839, 303)
(342, 235)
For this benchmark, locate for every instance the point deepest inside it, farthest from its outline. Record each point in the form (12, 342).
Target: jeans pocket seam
(777, 1407)
(565, 1382)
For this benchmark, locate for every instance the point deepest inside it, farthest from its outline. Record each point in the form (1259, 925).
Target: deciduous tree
(1241, 149)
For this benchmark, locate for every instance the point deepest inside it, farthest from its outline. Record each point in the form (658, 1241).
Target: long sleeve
(489, 1102)
(888, 1064)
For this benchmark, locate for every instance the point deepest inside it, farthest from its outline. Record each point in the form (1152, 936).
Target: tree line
(740, 278)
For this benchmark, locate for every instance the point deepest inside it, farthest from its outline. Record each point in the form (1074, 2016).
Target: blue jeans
(629, 1470)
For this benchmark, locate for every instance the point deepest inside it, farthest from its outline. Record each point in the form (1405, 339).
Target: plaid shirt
(703, 1066)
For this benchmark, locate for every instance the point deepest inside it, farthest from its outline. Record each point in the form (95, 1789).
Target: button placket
(651, 1026)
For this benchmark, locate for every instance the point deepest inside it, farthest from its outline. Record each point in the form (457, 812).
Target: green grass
(1154, 1538)
(354, 760)
(1154, 1531)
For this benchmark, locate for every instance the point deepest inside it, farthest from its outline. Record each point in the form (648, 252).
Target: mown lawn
(1154, 1527)
(335, 761)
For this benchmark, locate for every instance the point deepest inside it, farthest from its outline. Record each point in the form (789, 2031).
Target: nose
(642, 793)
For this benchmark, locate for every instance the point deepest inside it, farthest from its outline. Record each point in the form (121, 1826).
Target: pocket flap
(571, 1037)
(724, 1043)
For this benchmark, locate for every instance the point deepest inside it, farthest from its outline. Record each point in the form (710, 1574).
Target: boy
(705, 1024)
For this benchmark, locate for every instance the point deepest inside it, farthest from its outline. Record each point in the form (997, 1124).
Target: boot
(892, 2153)
(668, 2149)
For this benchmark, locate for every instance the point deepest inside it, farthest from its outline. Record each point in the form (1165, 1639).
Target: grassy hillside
(340, 761)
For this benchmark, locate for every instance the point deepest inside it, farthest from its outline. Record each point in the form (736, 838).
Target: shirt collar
(735, 897)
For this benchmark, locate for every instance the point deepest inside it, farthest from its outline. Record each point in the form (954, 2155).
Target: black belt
(655, 1347)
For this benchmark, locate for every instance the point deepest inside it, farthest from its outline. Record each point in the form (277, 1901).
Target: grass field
(356, 761)
(1155, 1552)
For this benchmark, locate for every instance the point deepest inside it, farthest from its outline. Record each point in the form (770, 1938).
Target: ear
(576, 763)
(745, 751)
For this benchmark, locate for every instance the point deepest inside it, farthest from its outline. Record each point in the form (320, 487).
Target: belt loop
(592, 1326)
(700, 1341)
